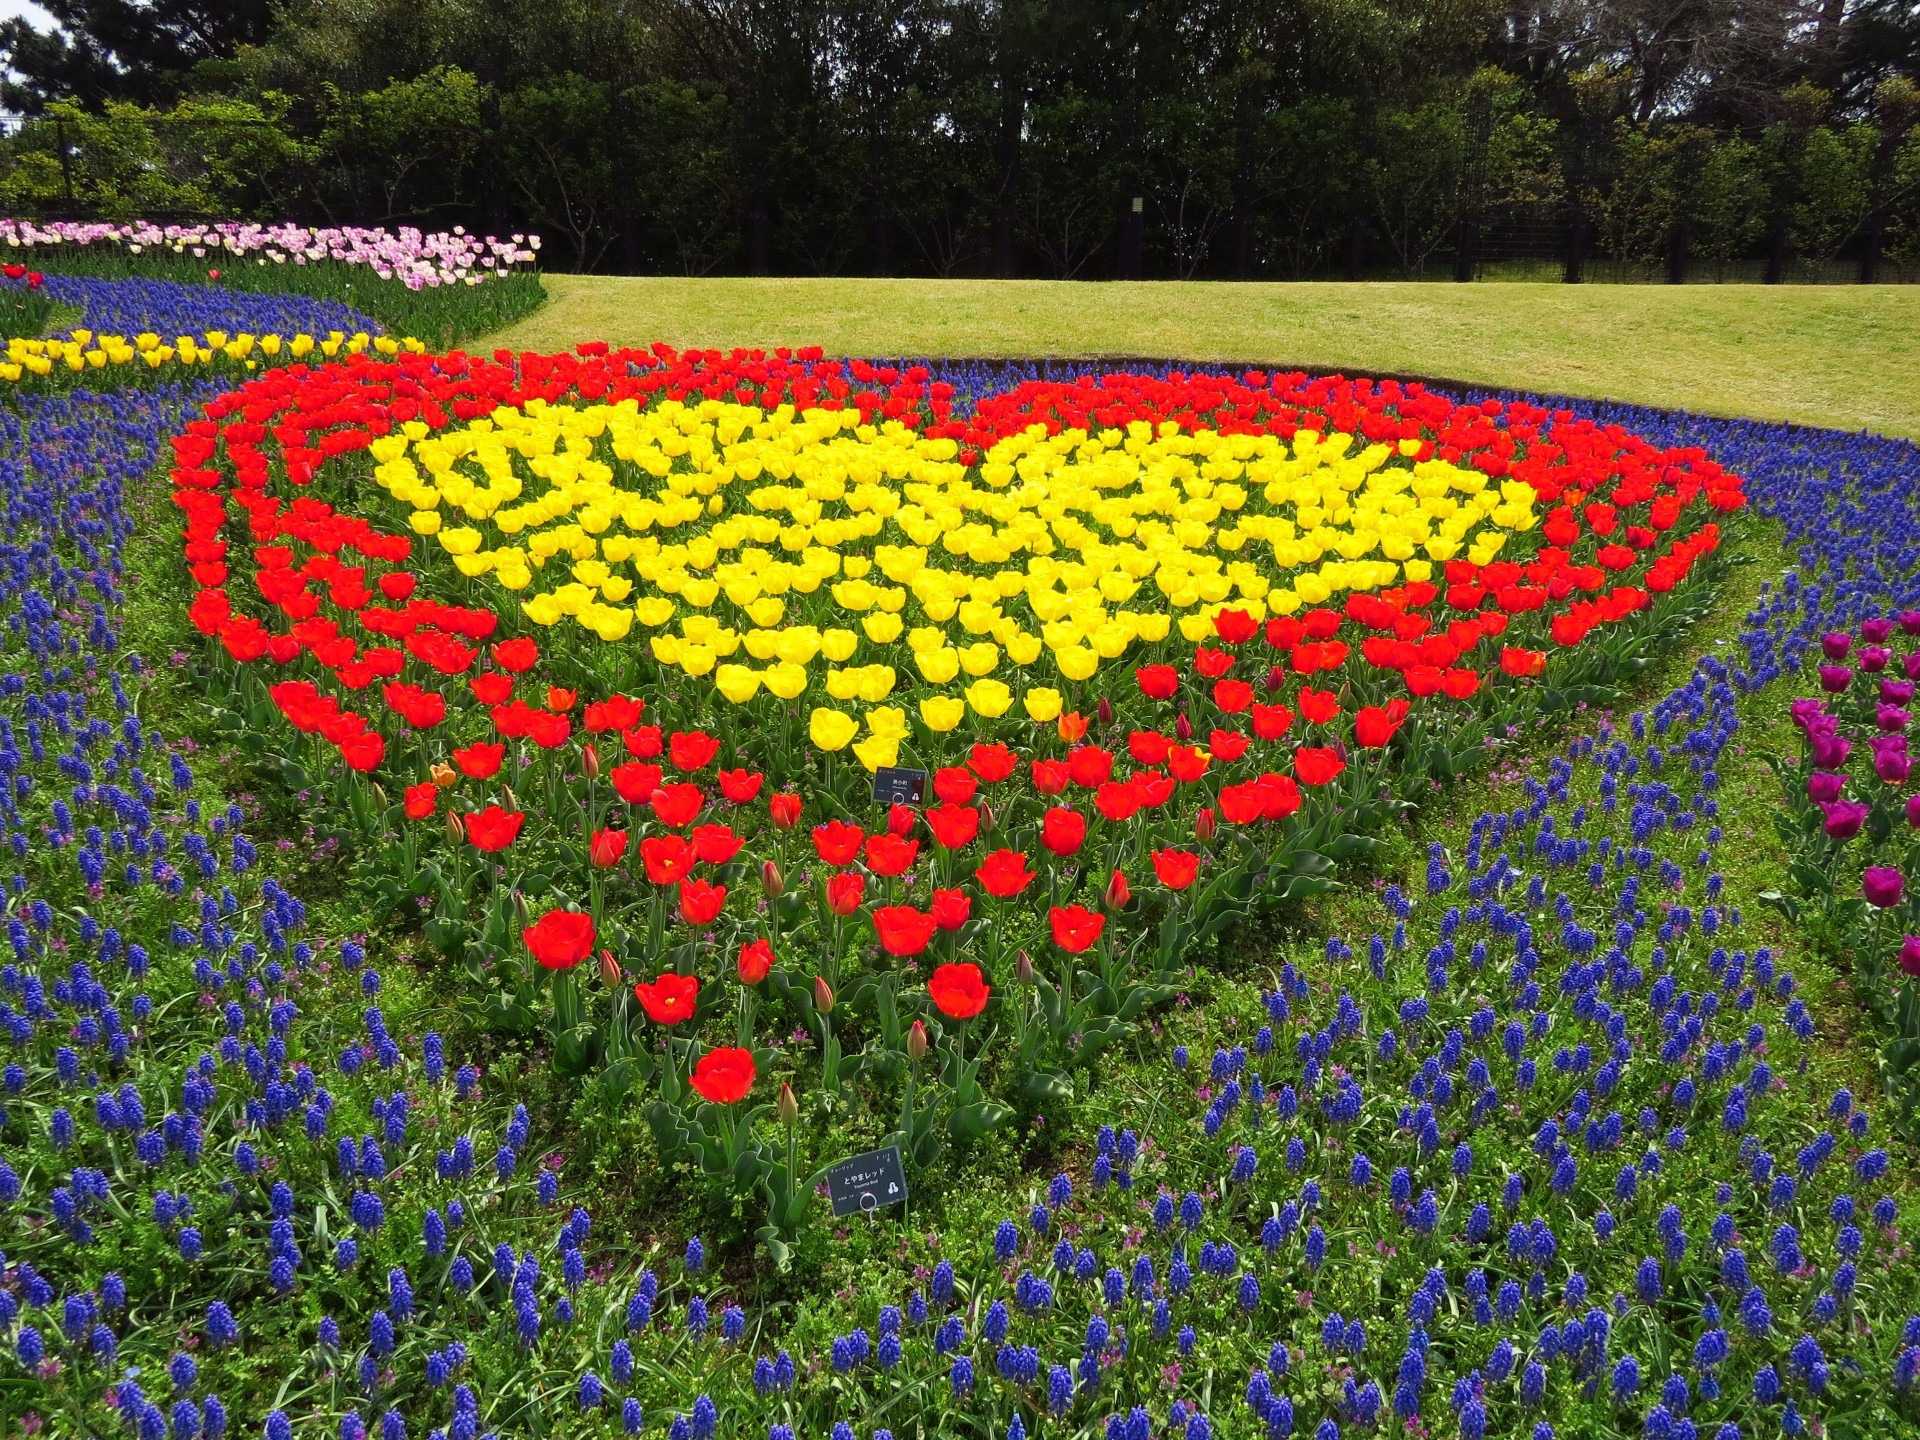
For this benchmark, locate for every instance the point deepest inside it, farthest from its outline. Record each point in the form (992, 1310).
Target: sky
(10, 8)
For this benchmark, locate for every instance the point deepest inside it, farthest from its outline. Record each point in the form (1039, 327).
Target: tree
(137, 51)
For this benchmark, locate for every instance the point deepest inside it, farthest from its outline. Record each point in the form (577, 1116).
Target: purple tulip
(1835, 644)
(1910, 956)
(1882, 885)
(1874, 658)
(1830, 752)
(1824, 787)
(1893, 766)
(1834, 679)
(1844, 818)
(1896, 692)
(1912, 665)
(1910, 622)
(1808, 713)
(1891, 718)
(1913, 810)
(1876, 630)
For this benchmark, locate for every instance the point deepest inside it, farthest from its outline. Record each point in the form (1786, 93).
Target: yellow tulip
(938, 666)
(980, 659)
(831, 729)
(786, 680)
(839, 645)
(882, 628)
(942, 713)
(738, 683)
(1076, 662)
(1042, 703)
(878, 750)
(888, 720)
(990, 698)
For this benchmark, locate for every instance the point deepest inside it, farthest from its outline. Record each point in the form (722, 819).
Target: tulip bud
(772, 882)
(380, 794)
(610, 974)
(1203, 824)
(1105, 710)
(456, 831)
(916, 1041)
(787, 1107)
(507, 802)
(1276, 679)
(1023, 969)
(1118, 892)
(1183, 727)
(522, 917)
(590, 761)
(822, 995)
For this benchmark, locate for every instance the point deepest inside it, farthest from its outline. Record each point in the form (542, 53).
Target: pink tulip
(1882, 885)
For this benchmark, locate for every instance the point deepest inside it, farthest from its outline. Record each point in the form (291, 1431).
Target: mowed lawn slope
(1847, 357)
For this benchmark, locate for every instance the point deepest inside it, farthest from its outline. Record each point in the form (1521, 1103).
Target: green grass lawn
(1840, 356)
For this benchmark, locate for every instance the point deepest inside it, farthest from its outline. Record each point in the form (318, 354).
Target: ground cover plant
(1560, 1148)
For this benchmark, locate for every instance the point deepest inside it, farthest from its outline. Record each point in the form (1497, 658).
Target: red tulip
(1076, 929)
(951, 908)
(955, 785)
(837, 842)
(716, 844)
(954, 826)
(740, 786)
(606, 848)
(756, 959)
(992, 763)
(1319, 707)
(784, 810)
(518, 656)
(1148, 747)
(493, 829)
(903, 930)
(1374, 725)
(958, 991)
(668, 1000)
(845, 891)
(1317, 765)
(1063, 831)
(1235, 626)
(701, 902)
(560, 939)
(1177, 869)
(635, 781)
(691, 751)
(1089, 767)
(491, 689)
(1186, 764)
(1270, 722)
(1118, 892)
(1004, 874)
(1117, 801)
(890, 855)
(676, 805)
(668, 859)
(1050, 776)
(559, 700)
(1158, 682)
(724, 1076)
(1232, 696)
(420, 800)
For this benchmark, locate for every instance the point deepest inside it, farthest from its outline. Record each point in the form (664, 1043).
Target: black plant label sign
(868, 1182)
(897, 785)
